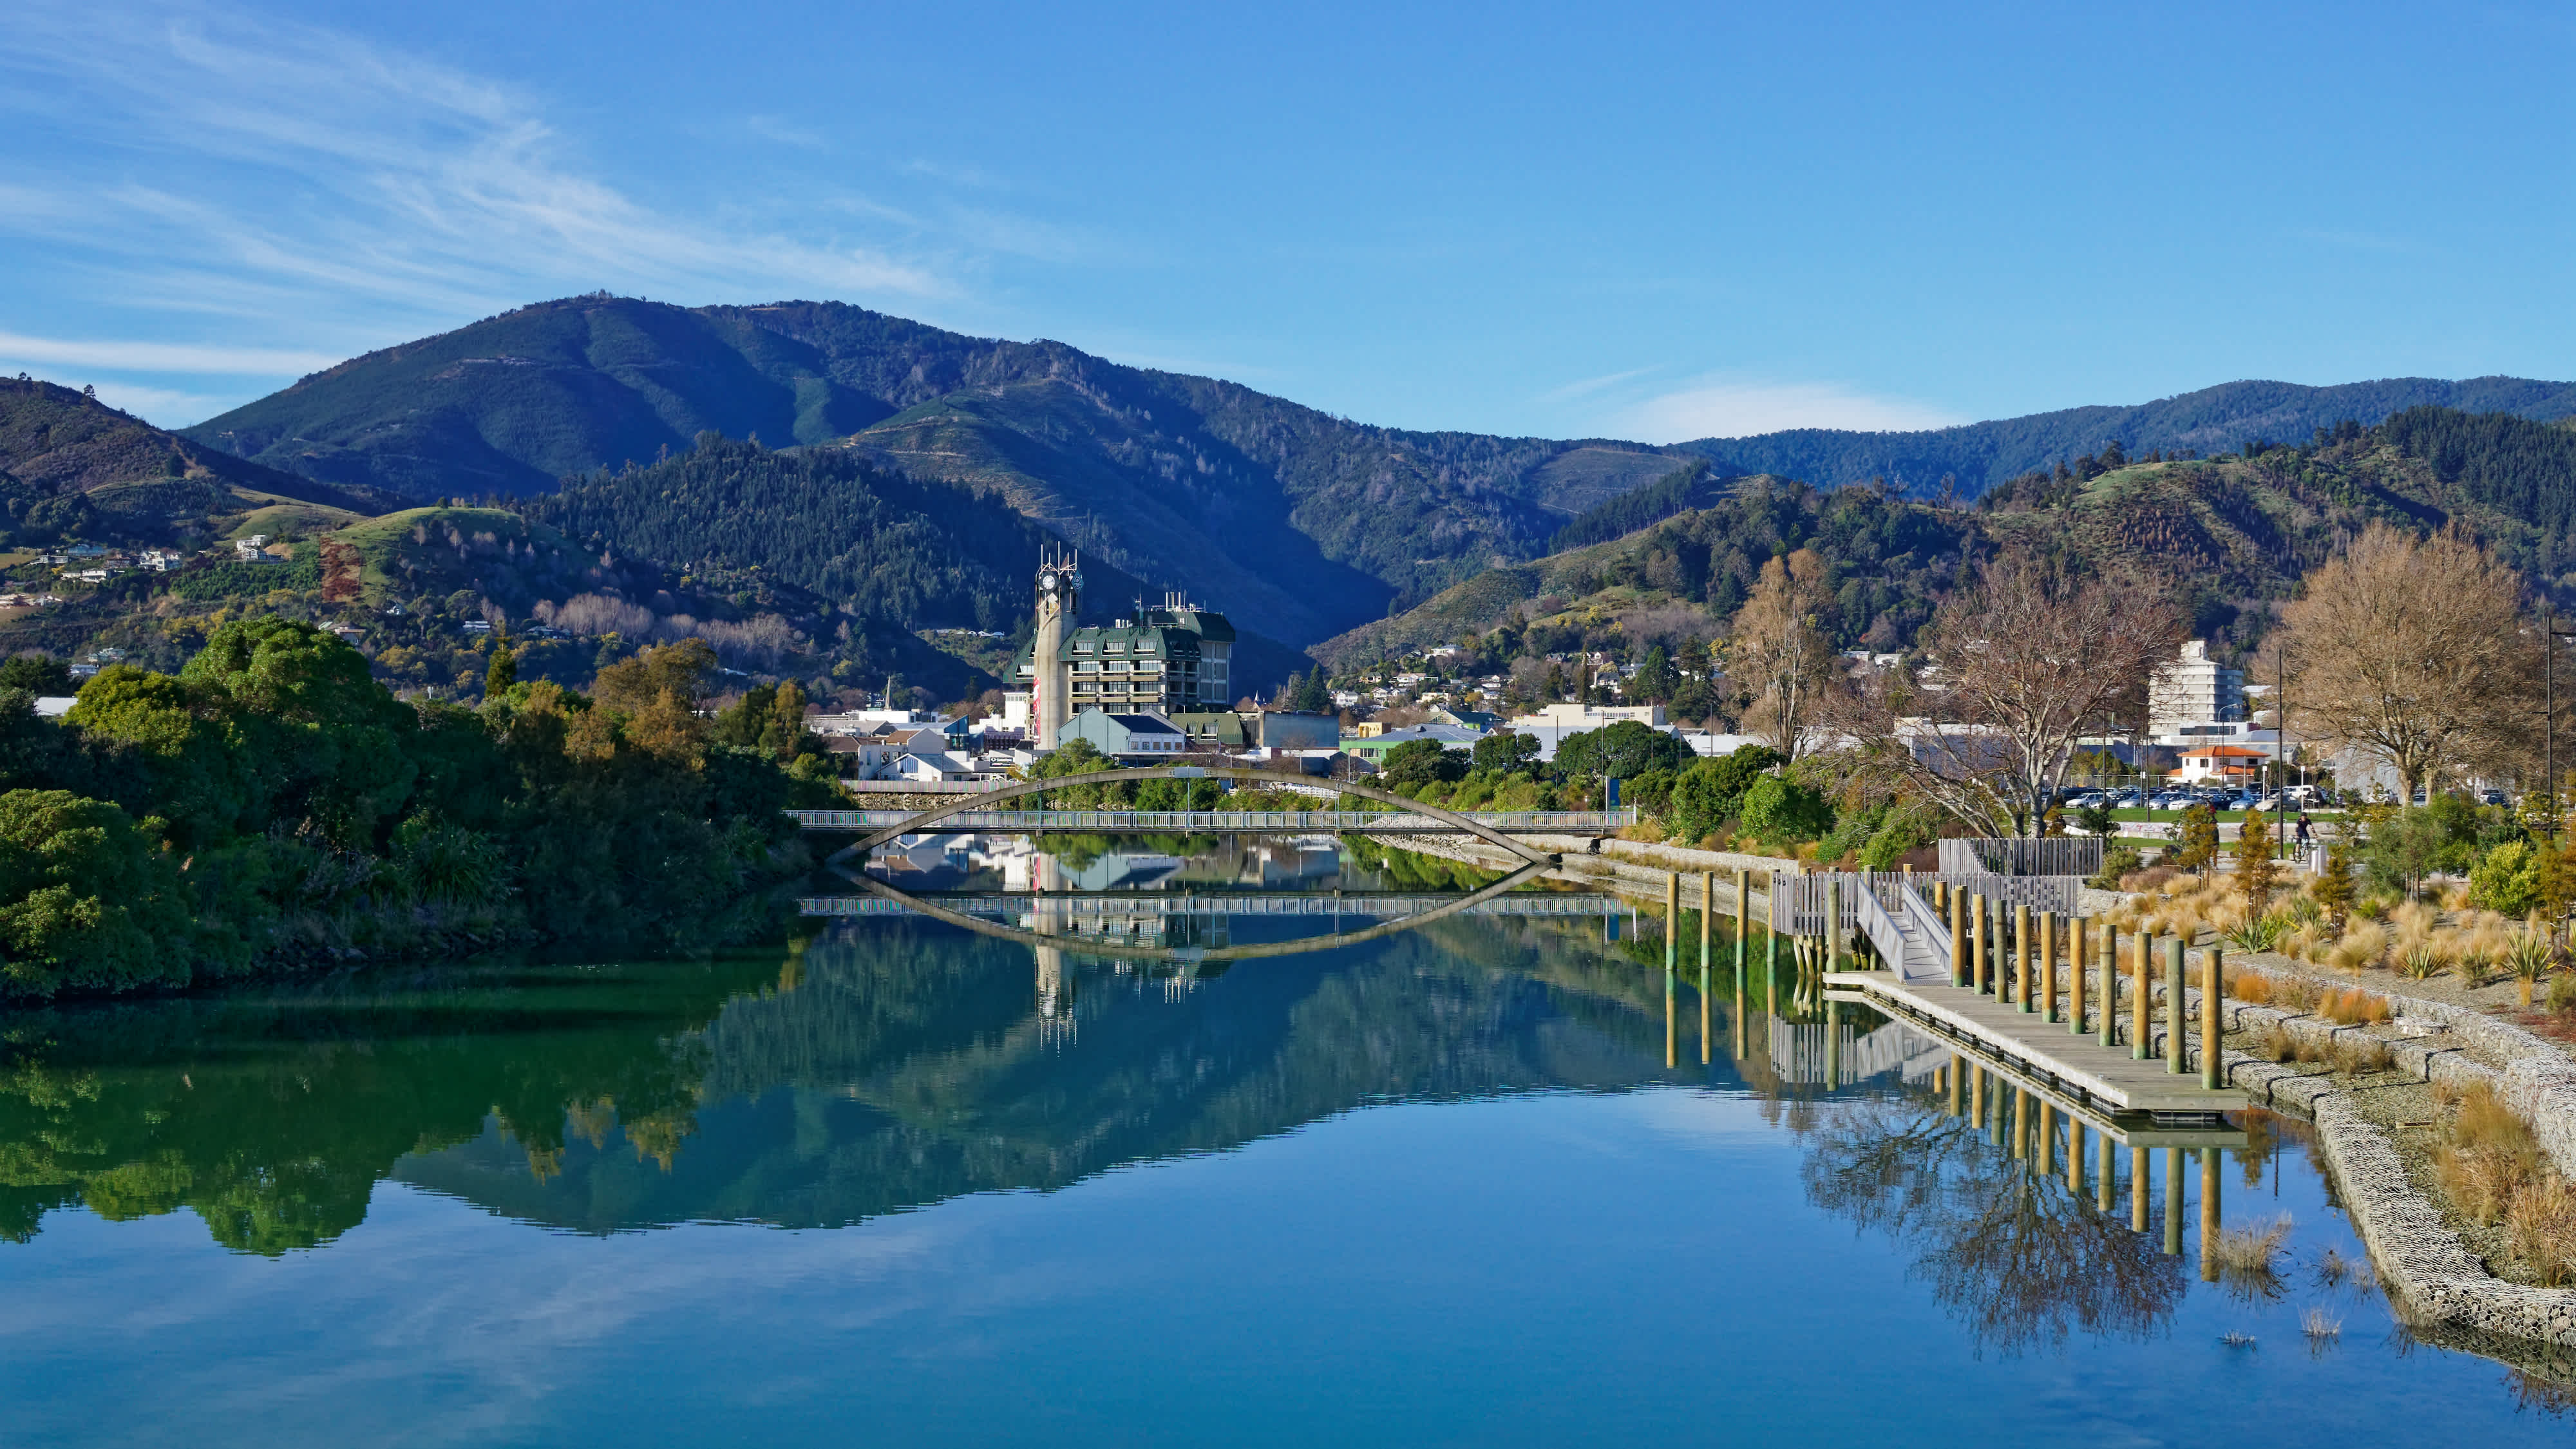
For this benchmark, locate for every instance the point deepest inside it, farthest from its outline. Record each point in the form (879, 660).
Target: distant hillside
(2232, 536)
(2222, 419)
(1685, 575)
(1300, 524)
(73, 467)
(1285, 515)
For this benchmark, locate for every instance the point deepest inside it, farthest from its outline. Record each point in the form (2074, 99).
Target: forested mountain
(1301, 525)
(1280, 513)
(895, 554)
(2221, 419)
(73, 467)
(2231, 536)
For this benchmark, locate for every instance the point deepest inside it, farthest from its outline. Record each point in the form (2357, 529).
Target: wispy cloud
(253, 161)
(1736, 408)
(16, 348)
(1590, 385)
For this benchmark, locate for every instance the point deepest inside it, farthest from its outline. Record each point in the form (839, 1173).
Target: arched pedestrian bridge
(980, 813)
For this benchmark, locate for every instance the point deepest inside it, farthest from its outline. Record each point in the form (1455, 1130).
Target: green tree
(36, 674)
(1656, 679)
(2195, 838)
(1620, 751)
(91, 903)
(2404, 846)
(2254, 868)
(1421, 762)
(1503, 753)
(1778, 808)
(503, 670)
(1310, 692)
(1708, 793)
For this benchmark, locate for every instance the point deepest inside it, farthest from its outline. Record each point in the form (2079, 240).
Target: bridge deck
(2078, 1066)
(1365, 904)
(1291, 822)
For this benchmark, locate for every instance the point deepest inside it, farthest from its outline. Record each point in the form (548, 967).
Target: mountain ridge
(1302, 524)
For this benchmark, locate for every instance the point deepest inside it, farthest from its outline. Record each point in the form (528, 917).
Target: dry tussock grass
(2355, 1007)
(2540, 1228)
(2489, 1157)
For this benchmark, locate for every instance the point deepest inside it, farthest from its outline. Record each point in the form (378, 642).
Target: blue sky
(1636, 221)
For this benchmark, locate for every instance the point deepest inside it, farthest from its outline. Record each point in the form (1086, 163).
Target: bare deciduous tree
(1779, 652)
(2034, 656)
(2409, 650)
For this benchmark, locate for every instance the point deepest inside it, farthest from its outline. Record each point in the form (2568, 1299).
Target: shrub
(2355, 1007)
(2118, 861)
(1707, 793)
(1776, 808)
(2508, 879)
(93, 902)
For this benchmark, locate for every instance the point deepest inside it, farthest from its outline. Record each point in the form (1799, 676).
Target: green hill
(2232, 536)
(2222, 419)
(71, 467)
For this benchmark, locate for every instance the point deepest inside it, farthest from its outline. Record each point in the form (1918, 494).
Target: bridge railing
(1572, 822)
(1798, 901)
(1143, 905)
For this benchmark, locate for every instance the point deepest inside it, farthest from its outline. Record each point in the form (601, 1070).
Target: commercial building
(1172, 659)
(2194, 689)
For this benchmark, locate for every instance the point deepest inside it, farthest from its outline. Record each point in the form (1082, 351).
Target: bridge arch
(988, 799)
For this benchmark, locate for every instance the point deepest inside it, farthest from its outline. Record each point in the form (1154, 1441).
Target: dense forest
(2231, 534)
(273, 806)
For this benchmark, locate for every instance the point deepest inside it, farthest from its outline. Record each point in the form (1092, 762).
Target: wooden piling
(2209, 1215)
(2175, 1041)
(2141, 1026)
(2137, 1189)
(2076, 965)
(2022, 944)
(1977, 1098)
(2047, 1138)
(1833, 1044)
(1834, 925)
(2021, 1123)
(2106, 1172)
(1707, 924)
(2213, 1051)
(1954, 909)
(1953, 1070)
(2110, 984)
(2048, 966)
(1977, 911)
(2075, 1155)
(1771, 971)
(2173, 1202)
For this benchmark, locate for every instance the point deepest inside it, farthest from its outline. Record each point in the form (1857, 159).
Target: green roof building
(1178, 658)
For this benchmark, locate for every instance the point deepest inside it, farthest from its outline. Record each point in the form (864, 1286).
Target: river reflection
(893, 1066)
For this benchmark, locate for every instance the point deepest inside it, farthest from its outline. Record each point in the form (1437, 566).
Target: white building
(2193, 689)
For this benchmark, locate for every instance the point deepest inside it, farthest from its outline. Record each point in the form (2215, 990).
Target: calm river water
(903, 1184)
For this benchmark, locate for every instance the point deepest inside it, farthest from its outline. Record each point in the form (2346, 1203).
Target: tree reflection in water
(2018, 1259)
